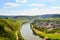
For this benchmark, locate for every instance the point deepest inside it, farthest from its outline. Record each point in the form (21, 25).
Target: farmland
(47, 28)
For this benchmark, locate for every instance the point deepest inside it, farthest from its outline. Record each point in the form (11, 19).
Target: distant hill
(50, 16)
(1, 16)
(35, 17)
(15, 17)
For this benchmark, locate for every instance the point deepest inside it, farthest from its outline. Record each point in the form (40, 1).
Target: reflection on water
(27, 33)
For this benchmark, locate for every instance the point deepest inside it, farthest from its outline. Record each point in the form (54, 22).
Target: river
(27, 33)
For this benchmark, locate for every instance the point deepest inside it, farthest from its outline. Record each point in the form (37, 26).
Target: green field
(52, 34)
(10, 29)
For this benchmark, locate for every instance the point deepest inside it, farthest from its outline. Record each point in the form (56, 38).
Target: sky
(29, 7)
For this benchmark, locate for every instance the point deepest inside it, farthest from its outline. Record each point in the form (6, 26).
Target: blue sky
(29, 7)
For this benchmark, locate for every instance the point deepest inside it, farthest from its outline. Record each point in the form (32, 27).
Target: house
(47, 24)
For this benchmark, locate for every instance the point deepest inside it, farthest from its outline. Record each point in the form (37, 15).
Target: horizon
(29, 15)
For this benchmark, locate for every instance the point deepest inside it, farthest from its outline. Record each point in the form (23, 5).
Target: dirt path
(36, 31)
(16, 33)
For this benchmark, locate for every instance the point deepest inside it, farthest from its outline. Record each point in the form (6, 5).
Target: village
(47, 24)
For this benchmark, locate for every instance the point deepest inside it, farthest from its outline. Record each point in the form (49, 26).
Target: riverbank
(10, 29)
(45, 35)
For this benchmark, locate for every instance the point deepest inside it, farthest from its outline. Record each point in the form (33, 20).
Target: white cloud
(50, 1)
(52, 10)
(55, 7)
(34, 11)
(17, 0)
(37, 5)
(24, 0)
(41, 11)
(11, 5)
(21, 1)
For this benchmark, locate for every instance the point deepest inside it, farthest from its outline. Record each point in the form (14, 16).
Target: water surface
(27, 33)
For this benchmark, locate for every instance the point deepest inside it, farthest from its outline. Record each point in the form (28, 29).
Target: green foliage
(53, 34)
(20, 36)
(8, 28)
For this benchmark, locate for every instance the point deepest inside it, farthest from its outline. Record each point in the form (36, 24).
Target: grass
(43, 35)
(8, 28)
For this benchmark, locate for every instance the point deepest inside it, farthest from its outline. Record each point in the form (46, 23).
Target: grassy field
(55, 36)
(52, 35)
(10, 29)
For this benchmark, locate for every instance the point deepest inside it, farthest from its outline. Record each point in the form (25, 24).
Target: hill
(50, 16)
